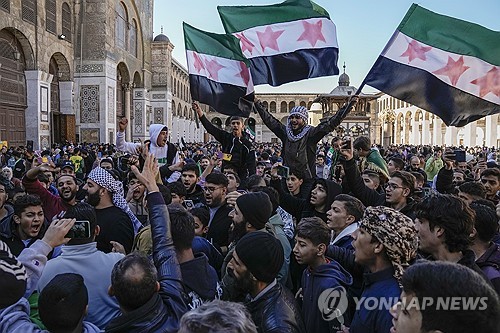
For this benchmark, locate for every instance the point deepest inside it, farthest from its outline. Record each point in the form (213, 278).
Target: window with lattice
(120, 26)
(5, 5)
(66, 21)
(50, 16)
(28, 11)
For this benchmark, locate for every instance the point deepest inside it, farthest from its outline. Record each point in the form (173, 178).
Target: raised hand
(57, 231)
(149, 173)
(122, 124)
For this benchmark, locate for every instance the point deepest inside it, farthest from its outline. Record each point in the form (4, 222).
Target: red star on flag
(198, 63)
(244, 73)
(415, 50)
(246, 44)
(312, 32)
(213, 68)
(269, 38)
(453, 69)
(489, 83)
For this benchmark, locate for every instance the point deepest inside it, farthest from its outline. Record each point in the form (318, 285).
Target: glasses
(294, 117)
(393, 186)
(211, 189)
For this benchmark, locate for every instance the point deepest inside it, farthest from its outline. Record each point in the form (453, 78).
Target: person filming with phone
(80, 255)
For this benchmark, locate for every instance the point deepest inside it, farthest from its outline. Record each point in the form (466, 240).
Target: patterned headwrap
(396, 232)
(300, 111)
(105, 179)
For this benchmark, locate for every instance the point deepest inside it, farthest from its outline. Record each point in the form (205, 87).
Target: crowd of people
(238, 236)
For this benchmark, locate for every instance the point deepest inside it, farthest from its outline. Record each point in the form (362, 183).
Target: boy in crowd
(312, 240)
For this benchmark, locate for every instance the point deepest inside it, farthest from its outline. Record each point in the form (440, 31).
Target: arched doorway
(13, 101)
(62, 122)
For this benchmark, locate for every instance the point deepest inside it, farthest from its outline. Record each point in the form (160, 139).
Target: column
(415, 137)
(450, 138)
(139, 107)
(426, 131)
(470, 134)
(491, 131)
(128, 130)
(436, 131)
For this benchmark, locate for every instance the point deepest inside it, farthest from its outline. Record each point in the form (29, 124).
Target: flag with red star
(286, 42)
(443, 65)
(218, 72)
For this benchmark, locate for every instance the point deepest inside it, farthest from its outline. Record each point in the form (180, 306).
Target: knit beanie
(256, 208)
(300, 111)
(262, 253)
(12, 277)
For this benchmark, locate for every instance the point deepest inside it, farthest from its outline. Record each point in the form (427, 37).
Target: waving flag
(287, 42)
(218, 71)
(446, 66)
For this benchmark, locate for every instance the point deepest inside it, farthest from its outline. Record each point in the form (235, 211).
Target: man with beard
(190, 177)
(256, 261)
(300, 139)
(415, 167)
(237, 149)
(114, 217)
(52, 204)
(251, 213)
(215, 191)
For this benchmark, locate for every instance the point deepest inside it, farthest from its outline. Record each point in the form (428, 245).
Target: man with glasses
(237, 148)
(215, 191)
(398, 190)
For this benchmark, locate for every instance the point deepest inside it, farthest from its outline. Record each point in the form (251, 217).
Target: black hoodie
(300, 208)
(201, 282)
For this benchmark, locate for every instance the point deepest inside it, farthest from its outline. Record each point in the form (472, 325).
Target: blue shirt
(383, 286)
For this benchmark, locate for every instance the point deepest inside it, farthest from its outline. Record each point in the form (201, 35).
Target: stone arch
(419, 117)
(291, 105)
(283, 107)
(179, 110)
(303, 103)
(272, 107)
(122, 80)
(138, 80)
(185, 112)
(173, 108)
(266, 105)
(121, 36)
(63, 72)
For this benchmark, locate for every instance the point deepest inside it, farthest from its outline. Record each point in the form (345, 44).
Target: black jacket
(164, 310)
(242, 153)
(300, 154)
(218, 231)
(299, 207)
(368, 196)
(276, 312)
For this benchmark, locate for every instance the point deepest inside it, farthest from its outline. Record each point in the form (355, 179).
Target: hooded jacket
(314, 282)
(201, 282)
(165, 155)
(300, 208)
(489, 263)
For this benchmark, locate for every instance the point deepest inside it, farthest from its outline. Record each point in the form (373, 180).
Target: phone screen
(80, 230)
(283, 171)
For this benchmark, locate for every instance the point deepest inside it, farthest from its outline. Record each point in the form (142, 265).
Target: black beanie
(256, 208)
(262, 253)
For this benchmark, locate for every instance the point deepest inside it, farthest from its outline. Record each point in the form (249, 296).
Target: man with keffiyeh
(300, 139)
(114, 217)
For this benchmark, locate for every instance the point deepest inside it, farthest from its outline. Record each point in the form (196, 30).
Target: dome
(161, 38)
(316, 107)
(344, 80)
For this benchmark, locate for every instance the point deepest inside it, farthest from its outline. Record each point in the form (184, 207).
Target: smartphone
(460, 156)
(346, 144)
(220, 155)
(189, 204)
(283, 171)
(80, 230)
